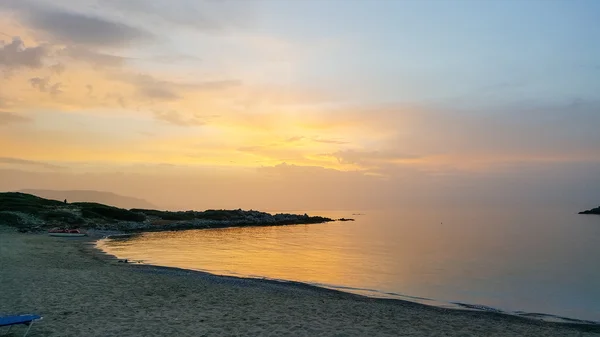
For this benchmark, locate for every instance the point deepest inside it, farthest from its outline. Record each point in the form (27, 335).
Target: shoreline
(101, 297)
(453, 306)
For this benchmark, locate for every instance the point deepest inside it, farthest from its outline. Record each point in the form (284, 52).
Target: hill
(591, 211)
(28, 212)
(101, 197)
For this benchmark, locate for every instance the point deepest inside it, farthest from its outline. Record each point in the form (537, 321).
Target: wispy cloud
(9, 118)
(329, 141)
(367, 157)
(95, 58)
(149, 87)
(19, 161)
(205, 16)
(179, 119)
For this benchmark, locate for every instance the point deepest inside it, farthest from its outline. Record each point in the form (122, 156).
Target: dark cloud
(86, 30)
(72, 27)
(40, 83)
(44, 85)
(15, 54)
(9, 118)
(179, 119)
(19, 161)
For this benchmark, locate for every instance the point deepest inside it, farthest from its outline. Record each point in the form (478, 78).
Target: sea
(542, 263)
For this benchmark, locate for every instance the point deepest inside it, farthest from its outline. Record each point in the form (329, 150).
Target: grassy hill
(28, 212)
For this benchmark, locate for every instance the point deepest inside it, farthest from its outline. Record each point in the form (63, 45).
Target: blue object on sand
(18, 319)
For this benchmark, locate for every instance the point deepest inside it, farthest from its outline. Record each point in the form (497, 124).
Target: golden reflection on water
(506, 261)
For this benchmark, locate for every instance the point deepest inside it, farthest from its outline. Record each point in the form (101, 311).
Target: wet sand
(82, 292)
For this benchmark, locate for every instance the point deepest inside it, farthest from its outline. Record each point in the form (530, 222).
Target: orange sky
(185, 107)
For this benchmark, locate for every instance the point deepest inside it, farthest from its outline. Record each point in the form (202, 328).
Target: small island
(29, 213)
(591, 211)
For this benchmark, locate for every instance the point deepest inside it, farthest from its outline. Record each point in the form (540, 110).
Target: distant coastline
(30, 213)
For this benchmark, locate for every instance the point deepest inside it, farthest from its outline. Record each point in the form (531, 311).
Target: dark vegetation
(99, 211)
(591, 211)
(27, 203)
(29, 213)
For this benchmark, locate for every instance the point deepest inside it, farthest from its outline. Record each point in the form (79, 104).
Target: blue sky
(433, 50)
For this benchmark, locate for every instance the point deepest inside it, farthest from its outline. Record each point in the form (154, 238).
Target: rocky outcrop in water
(591, 211)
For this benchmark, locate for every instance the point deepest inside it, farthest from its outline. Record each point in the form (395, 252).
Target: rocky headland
(27, 213)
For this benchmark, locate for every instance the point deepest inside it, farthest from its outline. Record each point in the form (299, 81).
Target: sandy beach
(81, 292)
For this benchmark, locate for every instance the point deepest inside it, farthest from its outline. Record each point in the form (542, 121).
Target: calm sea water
(536, 261)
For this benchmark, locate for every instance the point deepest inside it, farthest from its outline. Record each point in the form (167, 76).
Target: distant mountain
(591, 211)
(107, 198)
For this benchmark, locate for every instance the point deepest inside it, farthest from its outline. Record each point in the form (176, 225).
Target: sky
(289, 104)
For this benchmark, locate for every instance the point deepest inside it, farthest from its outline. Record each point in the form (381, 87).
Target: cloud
(295, 139)
(40, 83)
(9, 118)
(315, 139)
(71, 27)
(15, 55)
(90, 89)
(93, 57)
(44, 85)
(176, 118)
(362, 157)
(205, 16)
(57, 69)
(215, 85)
(82, 29)
(329, 141)
(110, 97)
(157, 91)
(149, 87)
(19, 161)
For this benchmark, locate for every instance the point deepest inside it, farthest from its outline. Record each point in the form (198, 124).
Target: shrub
(19, 220)
(62, 216)
(166, 215)
(93, 210)
(25, 203)
(220, 214)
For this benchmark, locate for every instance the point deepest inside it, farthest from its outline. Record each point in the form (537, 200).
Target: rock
(592, 211)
